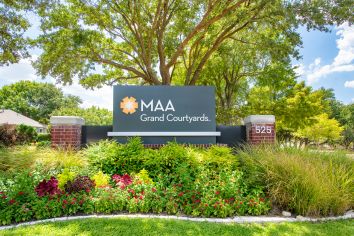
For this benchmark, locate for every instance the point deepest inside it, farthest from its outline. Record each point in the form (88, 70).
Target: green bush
(26, 134)
(172, 159)
(219, 158)
(43, 137)
(306, 182)
(11, 135)
(114, 158)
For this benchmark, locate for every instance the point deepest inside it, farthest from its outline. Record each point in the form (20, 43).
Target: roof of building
(13, 118)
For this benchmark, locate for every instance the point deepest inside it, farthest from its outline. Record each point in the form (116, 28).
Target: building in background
(9, 117)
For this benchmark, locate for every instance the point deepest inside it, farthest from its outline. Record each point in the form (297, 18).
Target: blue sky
(327, 61)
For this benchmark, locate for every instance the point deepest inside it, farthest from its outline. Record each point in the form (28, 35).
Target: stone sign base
(66, 131)
(260, 129)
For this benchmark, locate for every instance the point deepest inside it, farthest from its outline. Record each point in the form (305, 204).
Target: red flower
(12, 201)
(197, 201)
(131, 191)
(21, 193)
(142, 192)
(65, 201)
(180, 194)
(1, 193)
(217, 192)
(141, 197)
(81, 202)
(3, 196)
(87, 190)
(153, 190)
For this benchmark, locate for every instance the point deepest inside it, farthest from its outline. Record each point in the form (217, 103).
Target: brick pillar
(66, 131)
(260, 129)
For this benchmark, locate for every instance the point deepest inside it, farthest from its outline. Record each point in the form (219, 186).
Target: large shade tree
(14, 22)
(35, 100)
(107, 42)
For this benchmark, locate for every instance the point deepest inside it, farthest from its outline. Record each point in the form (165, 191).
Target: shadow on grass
(128, 226)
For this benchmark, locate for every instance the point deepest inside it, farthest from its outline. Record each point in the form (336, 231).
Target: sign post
(160, 114)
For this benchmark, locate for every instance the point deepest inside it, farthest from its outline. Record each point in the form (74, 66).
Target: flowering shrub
(49, 187)
(80, 183)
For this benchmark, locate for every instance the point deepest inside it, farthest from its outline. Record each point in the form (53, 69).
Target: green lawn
(126, 226)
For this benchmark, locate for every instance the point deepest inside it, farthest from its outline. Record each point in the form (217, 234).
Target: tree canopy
(35, 100)
(13, 24)
(92, 115)
(107, 42)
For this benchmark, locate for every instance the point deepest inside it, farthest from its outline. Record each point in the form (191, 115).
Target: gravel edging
(237, 219)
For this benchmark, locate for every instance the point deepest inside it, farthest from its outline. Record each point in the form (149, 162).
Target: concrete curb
(237, 219)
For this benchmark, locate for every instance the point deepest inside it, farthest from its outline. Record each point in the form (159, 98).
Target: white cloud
(23, 70)
(20, 71)
(349, 84)
(299, 69)
(343, 62)
(102, 97)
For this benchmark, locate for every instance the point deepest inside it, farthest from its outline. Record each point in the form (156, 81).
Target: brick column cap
(66, 120)
(259, 119)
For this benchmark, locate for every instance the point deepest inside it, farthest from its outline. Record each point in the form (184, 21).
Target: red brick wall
(66, 136)
(258, 133)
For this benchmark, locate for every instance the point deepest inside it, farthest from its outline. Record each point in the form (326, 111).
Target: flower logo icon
(128, 105)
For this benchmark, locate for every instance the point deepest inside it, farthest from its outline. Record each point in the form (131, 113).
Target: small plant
(122, 180)
(80, 183)
(49, 187)
(143, 176)
(64, 177)
(101, 180)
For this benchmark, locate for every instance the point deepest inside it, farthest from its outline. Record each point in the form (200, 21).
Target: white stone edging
(237, 219)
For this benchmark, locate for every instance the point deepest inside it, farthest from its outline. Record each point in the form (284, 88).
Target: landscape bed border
(236, 219)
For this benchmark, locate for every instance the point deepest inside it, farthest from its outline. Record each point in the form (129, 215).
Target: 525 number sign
(264, 129)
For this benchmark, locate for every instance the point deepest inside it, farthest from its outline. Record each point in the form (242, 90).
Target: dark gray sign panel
(164, 113)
